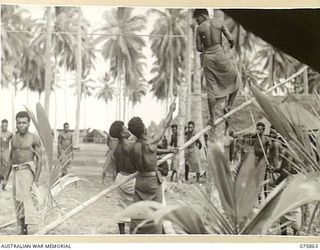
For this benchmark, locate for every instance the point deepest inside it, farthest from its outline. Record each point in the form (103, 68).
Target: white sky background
(98, 114)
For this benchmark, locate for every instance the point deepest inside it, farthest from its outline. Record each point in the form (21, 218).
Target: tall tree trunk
(306, 81)
(13, 96)
(48, 62)
(55, 97)
(189, 99)
(171, 67)
(79, 73)
(119, 91)
(84, 112)
(65, 90)
(124, 112)
(197, 97)
(28, 86)
(183, 101)
(270, 77)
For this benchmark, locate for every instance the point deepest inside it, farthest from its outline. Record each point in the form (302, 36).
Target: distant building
(83, 133)
(96, 136)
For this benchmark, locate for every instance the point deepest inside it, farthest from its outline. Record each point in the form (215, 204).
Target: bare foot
(211, 122)
(226, 110)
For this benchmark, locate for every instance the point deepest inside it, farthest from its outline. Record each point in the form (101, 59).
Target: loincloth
(220, 73)
(125, 194)
(192, 157)
(23, 178)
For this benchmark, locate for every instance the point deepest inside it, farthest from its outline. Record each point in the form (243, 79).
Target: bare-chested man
(124, 167)
(65, 147)
(25, 156)
(219, 71)
(261, 145)
(275, 150)
(5, 138)
(144, 156)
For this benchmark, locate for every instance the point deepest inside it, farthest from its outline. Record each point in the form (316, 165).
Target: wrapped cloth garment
(23, 178)
(220, 72)
(125, 194)
(4, 165)
(192, 156)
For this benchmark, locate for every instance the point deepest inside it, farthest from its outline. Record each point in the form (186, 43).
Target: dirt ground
(98, 218)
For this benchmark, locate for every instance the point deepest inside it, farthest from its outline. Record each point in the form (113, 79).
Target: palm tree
(244, 41)
(122, 48)
(86, 90)
(48, 47)
(314, 81)
(277, 64)
(107, 91)
(12, 45)
(165, 47)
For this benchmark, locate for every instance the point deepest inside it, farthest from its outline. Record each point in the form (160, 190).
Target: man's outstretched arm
(166, 124)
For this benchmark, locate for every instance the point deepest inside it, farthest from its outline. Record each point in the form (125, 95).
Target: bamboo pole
(8, 224)
(87, 203)
(130, 177)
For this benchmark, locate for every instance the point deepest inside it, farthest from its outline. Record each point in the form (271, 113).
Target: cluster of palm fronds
(238, 210)
(51, 184)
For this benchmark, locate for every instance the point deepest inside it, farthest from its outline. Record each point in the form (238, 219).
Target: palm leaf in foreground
(184, 216)
(45, 195)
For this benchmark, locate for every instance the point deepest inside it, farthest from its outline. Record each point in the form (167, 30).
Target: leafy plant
(239, 211)
(46, 192)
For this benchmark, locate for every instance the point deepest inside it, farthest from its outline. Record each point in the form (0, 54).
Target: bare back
(23, 148)
(210, 33)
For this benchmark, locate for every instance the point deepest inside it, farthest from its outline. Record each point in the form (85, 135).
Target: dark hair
(136, 126)
(116, 129)
(261, 124)
(200, 12)
(4, 121)
(191, 122)
(23, 114)
(65, 124)
(174, 126)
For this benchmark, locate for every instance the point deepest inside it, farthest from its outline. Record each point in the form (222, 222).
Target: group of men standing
(192, 152)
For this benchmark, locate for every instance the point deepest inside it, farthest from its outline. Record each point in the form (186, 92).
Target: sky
(99, 115)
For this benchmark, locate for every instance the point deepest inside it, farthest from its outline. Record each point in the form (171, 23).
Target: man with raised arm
(219, 71)
(124, 168)
(144, 155)
(25, 159)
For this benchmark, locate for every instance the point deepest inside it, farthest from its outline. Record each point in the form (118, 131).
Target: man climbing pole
(219, 71)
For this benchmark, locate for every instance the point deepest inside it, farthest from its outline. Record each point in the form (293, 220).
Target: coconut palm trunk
(189, 100)
(197, 97)
(119, 87)
(65, 90)
(13, 105)
(79, 72)
(171, 68)
(48, 62)
(183, 100)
